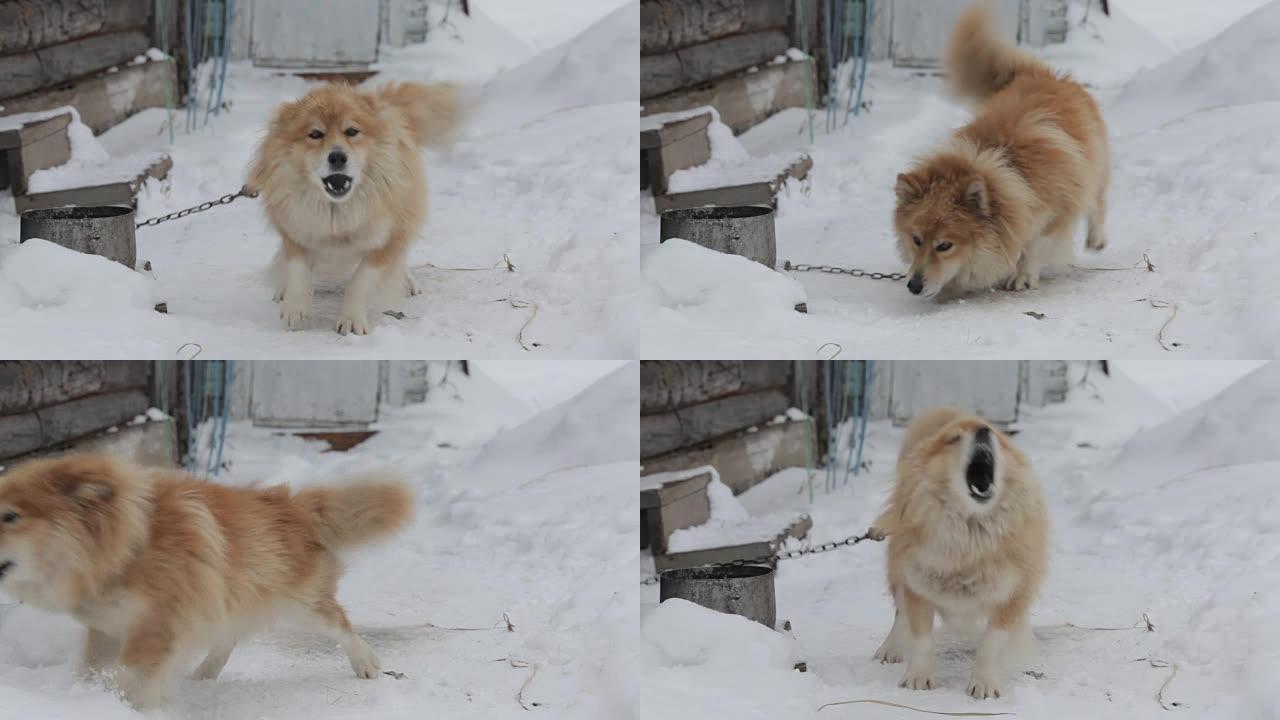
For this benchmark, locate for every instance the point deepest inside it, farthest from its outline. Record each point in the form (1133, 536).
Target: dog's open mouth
(337, 185)
(4, 567)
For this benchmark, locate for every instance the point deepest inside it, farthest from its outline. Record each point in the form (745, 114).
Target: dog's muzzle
(4, 567)
(337, 184)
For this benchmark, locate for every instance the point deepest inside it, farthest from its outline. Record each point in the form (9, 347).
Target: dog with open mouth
(968, 540)
(342, 180)
(1002, 198)
(160, 566)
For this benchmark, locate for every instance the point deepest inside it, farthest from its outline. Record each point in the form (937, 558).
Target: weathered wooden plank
(743, 459)
(667, 385)
(697, 64)
(104, 99)
(676, 505)
(675, 146)
(27, 385)
(121, 193)
(764, 192)
(745, 99)
(697, 424)
(672, 24)
(58, 424)
(31, 24)
(34, 146)
(798, 528)
(59, 63)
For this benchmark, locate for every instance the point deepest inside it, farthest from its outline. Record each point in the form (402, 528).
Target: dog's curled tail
(365, 508)
(980, 61)
(433, 111)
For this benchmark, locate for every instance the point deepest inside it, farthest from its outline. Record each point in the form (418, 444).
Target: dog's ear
(85, 479)
(909, 188)
(976, 197)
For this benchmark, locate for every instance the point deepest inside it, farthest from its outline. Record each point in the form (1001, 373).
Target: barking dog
(341, 179)
(159, 566)
(968, 539)
(1002, 198)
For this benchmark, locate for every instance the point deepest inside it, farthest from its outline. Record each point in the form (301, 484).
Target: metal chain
(855, 272)
(872, 534)
(224, 200)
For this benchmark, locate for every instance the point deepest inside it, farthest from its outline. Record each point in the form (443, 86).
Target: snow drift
(599, 66)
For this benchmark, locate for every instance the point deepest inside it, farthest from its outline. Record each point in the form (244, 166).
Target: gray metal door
(920, 28)
(988, 388)
(340, 395)
(337, 34)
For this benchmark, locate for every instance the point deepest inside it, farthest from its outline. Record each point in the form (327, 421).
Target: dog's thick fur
(1001, 199)
(371, 225)
(158, 565)
(968, 539)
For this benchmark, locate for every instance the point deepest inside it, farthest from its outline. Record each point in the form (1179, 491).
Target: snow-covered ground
(544, 174)
(1191, 94)
(524, 514)
(1155, 511)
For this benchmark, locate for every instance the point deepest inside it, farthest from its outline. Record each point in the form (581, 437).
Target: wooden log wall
(46, 403)
(685, 403)
(46, 42)
(687, 42)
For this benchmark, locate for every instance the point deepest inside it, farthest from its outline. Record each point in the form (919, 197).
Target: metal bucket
(745, 230)
(745, 590)
(106, 230)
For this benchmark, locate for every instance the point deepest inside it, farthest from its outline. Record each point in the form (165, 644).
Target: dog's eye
(943, 247)
(916, 239)
(351, 132)
(316, 134)
(9, 517)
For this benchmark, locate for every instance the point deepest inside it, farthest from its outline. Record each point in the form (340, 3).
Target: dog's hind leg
(894, 646)
(1096, 215)
(328, 618)
(217, 659)
(100, 652)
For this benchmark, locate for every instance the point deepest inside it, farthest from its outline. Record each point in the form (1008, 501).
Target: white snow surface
(554, 191)
(552, 552)
(1193, 190)
(1153, 511)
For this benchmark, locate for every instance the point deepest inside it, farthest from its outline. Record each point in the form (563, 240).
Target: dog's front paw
(291, 311)
(366, 665)
(410, 287)
(354, 323)
(917, 680)
(983, 688)
(278, 297)
(888, 654)
(1023, 281)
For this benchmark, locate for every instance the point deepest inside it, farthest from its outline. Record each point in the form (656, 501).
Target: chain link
(872, 534)
(224, 200)
(855, 272)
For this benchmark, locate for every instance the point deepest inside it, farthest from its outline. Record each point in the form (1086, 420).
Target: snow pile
(1241, 425)
(1241, 66)
(553, 554)
(82, 171)
(39, 275)
(693, 654)
(600, 66)
(689, 283)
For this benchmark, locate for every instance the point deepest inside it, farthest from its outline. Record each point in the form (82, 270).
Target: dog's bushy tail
(980, 61)
(434, 111)
(366, 507)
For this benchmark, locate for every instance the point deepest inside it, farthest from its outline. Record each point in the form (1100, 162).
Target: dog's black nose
(915, 284)
(337, 159)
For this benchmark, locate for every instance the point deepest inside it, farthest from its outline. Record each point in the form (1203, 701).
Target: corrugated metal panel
(323, 395)
(919, 28)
